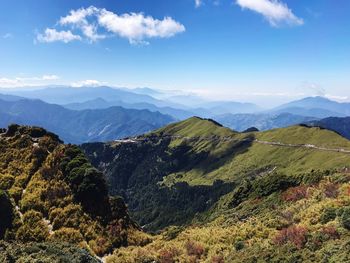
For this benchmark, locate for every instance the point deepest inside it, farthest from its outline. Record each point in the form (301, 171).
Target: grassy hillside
(50, 194)
(177, 175)
(267, 203)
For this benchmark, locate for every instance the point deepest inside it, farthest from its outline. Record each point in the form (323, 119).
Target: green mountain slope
(178, 172)
(274, 196)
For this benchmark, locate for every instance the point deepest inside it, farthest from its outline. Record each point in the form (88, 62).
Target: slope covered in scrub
(50, 193)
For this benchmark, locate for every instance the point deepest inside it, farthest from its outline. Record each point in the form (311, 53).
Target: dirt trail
(230, 139)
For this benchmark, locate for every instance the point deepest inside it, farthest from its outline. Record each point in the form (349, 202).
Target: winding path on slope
(230, 139)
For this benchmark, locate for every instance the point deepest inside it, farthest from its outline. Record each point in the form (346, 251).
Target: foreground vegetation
(50, 193)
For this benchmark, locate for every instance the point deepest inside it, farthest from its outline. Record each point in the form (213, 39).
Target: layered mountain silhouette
(81, 126)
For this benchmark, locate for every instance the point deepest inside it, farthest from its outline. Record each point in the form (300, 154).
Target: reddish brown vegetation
(295, 193)
(330, 232)
(194, 249)
(217, 259)
(168, 255)
(296, 235)
(331, 190)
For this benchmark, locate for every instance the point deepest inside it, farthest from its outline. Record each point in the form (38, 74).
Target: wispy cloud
(7, 36)
(26, 81)
(94, 24)
(198, 3)
(314, 88)
(275, 11)
(52, 35)
(87, 83)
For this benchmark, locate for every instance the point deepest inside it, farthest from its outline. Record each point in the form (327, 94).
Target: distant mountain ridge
(81, 126)
(241, 122)
(100, 103)
(339, 125)
(316, 107)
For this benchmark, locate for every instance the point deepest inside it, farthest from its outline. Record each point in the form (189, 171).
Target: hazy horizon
(261, 51)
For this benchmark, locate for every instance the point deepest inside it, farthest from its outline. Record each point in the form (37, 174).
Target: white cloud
(198, 3)
(336, 97)
(87, 83)
(26, 81)
(6, 82)
(78, 19)
(50, 77)
(136, 27)
(52, 35)
(274, 11)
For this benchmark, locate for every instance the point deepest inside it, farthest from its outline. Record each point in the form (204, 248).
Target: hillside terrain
(205, 192)
(54, 205)
(81, 126)
(215, 195)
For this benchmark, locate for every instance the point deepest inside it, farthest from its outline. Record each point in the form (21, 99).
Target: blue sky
(265, 51)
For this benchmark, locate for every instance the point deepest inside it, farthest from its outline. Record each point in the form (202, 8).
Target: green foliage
(314, 177)
(328, 214)
(88, 184)
(69, 235)
(6, 181)
(239, 245)
(345, 218)
(34, 229)
(271, 183)
(59, 197)
(44, 253)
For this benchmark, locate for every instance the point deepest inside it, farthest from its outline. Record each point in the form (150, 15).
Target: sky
(262, 51)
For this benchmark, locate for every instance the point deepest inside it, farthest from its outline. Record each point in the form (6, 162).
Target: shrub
(217, 259)
(239, 245)
(6, 181)
(331, 190)
(345, 218)
(271, 183)
(168, 255)
(69, 235)
(328, 214)
(101, 246)
(296, 235)
(330, 232)
(295, 193)
(314, 177)
(33, 228)
(194, 249)
(11, 130)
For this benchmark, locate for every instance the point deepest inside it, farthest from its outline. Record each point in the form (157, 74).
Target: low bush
(296, 235)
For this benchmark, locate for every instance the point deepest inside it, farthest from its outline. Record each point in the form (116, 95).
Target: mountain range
(104, 113)
(81, 126)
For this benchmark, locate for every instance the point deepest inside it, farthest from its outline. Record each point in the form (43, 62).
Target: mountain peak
(196, 126)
